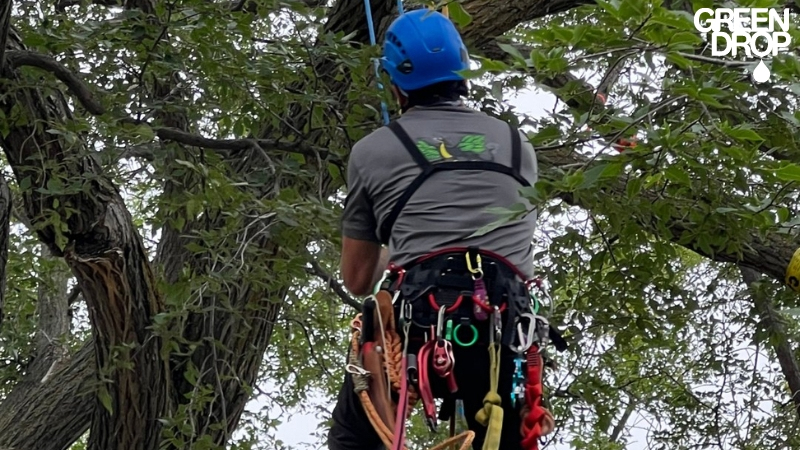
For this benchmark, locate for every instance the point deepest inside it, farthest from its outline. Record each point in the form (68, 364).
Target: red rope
(534, 424)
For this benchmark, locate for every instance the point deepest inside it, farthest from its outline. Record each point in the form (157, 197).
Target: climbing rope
(537, 420)
(373, 42)
(393, 363)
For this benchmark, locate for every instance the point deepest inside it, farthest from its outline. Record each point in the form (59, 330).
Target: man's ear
(398, 95)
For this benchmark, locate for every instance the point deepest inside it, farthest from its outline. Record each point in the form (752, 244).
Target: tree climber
(422, 186)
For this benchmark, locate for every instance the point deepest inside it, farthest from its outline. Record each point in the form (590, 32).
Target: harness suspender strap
(516, 153)
(428, 169)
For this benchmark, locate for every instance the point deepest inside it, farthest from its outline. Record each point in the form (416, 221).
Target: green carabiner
(535, 306)
(474, 336)
(448, 334)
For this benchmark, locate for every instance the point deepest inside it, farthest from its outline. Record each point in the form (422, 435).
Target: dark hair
(445, 91)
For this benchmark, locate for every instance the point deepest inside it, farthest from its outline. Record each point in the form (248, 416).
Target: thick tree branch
(5, 28)
(194, 140)
(337, 287)
(52, 307)
(770, 254)
(777, 332)
(616, 433)
(21, 58)
(51, 413)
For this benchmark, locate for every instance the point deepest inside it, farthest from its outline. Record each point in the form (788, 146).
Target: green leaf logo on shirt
(428, 151)
(438, 151)
(474, 143)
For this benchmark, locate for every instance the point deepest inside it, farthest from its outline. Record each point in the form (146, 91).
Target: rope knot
(490, 402)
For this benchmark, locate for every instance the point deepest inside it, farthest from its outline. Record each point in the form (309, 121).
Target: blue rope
(372, 41)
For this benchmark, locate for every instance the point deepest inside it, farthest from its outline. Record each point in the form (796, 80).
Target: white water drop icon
(761, 72)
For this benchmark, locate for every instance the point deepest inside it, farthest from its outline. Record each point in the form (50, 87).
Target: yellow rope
(491, 415)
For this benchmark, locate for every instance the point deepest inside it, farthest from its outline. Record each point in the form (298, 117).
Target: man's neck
(459, 103)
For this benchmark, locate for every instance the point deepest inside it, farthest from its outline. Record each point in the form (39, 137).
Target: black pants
(351, 429)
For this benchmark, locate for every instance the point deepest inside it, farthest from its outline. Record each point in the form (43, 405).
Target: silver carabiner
(440, 323)
(525, 340)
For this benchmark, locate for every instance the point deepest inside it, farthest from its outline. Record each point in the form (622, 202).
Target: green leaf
(789, 172)
(490, 227)
(546, 134)
(144, 132)
(598, 172)
(458, 15)
(744, 134)
(633, 9)
(678, 175)
(634, 187)
(105, 399)
(511, 50)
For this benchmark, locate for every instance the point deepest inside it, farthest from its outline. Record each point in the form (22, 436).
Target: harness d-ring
(474, 336)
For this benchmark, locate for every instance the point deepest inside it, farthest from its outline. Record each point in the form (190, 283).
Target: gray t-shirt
(450, 205)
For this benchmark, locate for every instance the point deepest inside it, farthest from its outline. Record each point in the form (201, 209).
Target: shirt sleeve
(358, 220)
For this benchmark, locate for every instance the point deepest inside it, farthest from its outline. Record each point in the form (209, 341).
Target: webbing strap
(428, 169)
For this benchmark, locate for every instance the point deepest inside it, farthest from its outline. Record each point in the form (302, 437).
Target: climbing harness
(417, 296)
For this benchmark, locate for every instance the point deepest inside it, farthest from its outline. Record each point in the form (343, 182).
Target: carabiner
(496, 335)
(474, 272)
(377, 287)
(525, 340)
(440, 323)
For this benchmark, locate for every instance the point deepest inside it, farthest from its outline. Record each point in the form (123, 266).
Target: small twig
(317, 270)
(719, 62)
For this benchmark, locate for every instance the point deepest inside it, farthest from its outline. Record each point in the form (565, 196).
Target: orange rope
(394, 359)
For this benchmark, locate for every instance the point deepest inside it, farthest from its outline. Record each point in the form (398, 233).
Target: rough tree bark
(5, 221)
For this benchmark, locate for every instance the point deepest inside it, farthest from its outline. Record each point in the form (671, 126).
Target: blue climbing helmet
(423, 47)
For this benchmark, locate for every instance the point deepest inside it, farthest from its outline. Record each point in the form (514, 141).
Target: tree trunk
(81, 216)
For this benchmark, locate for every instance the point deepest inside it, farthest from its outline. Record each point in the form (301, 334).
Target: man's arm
(362, 264)
(362, 260)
